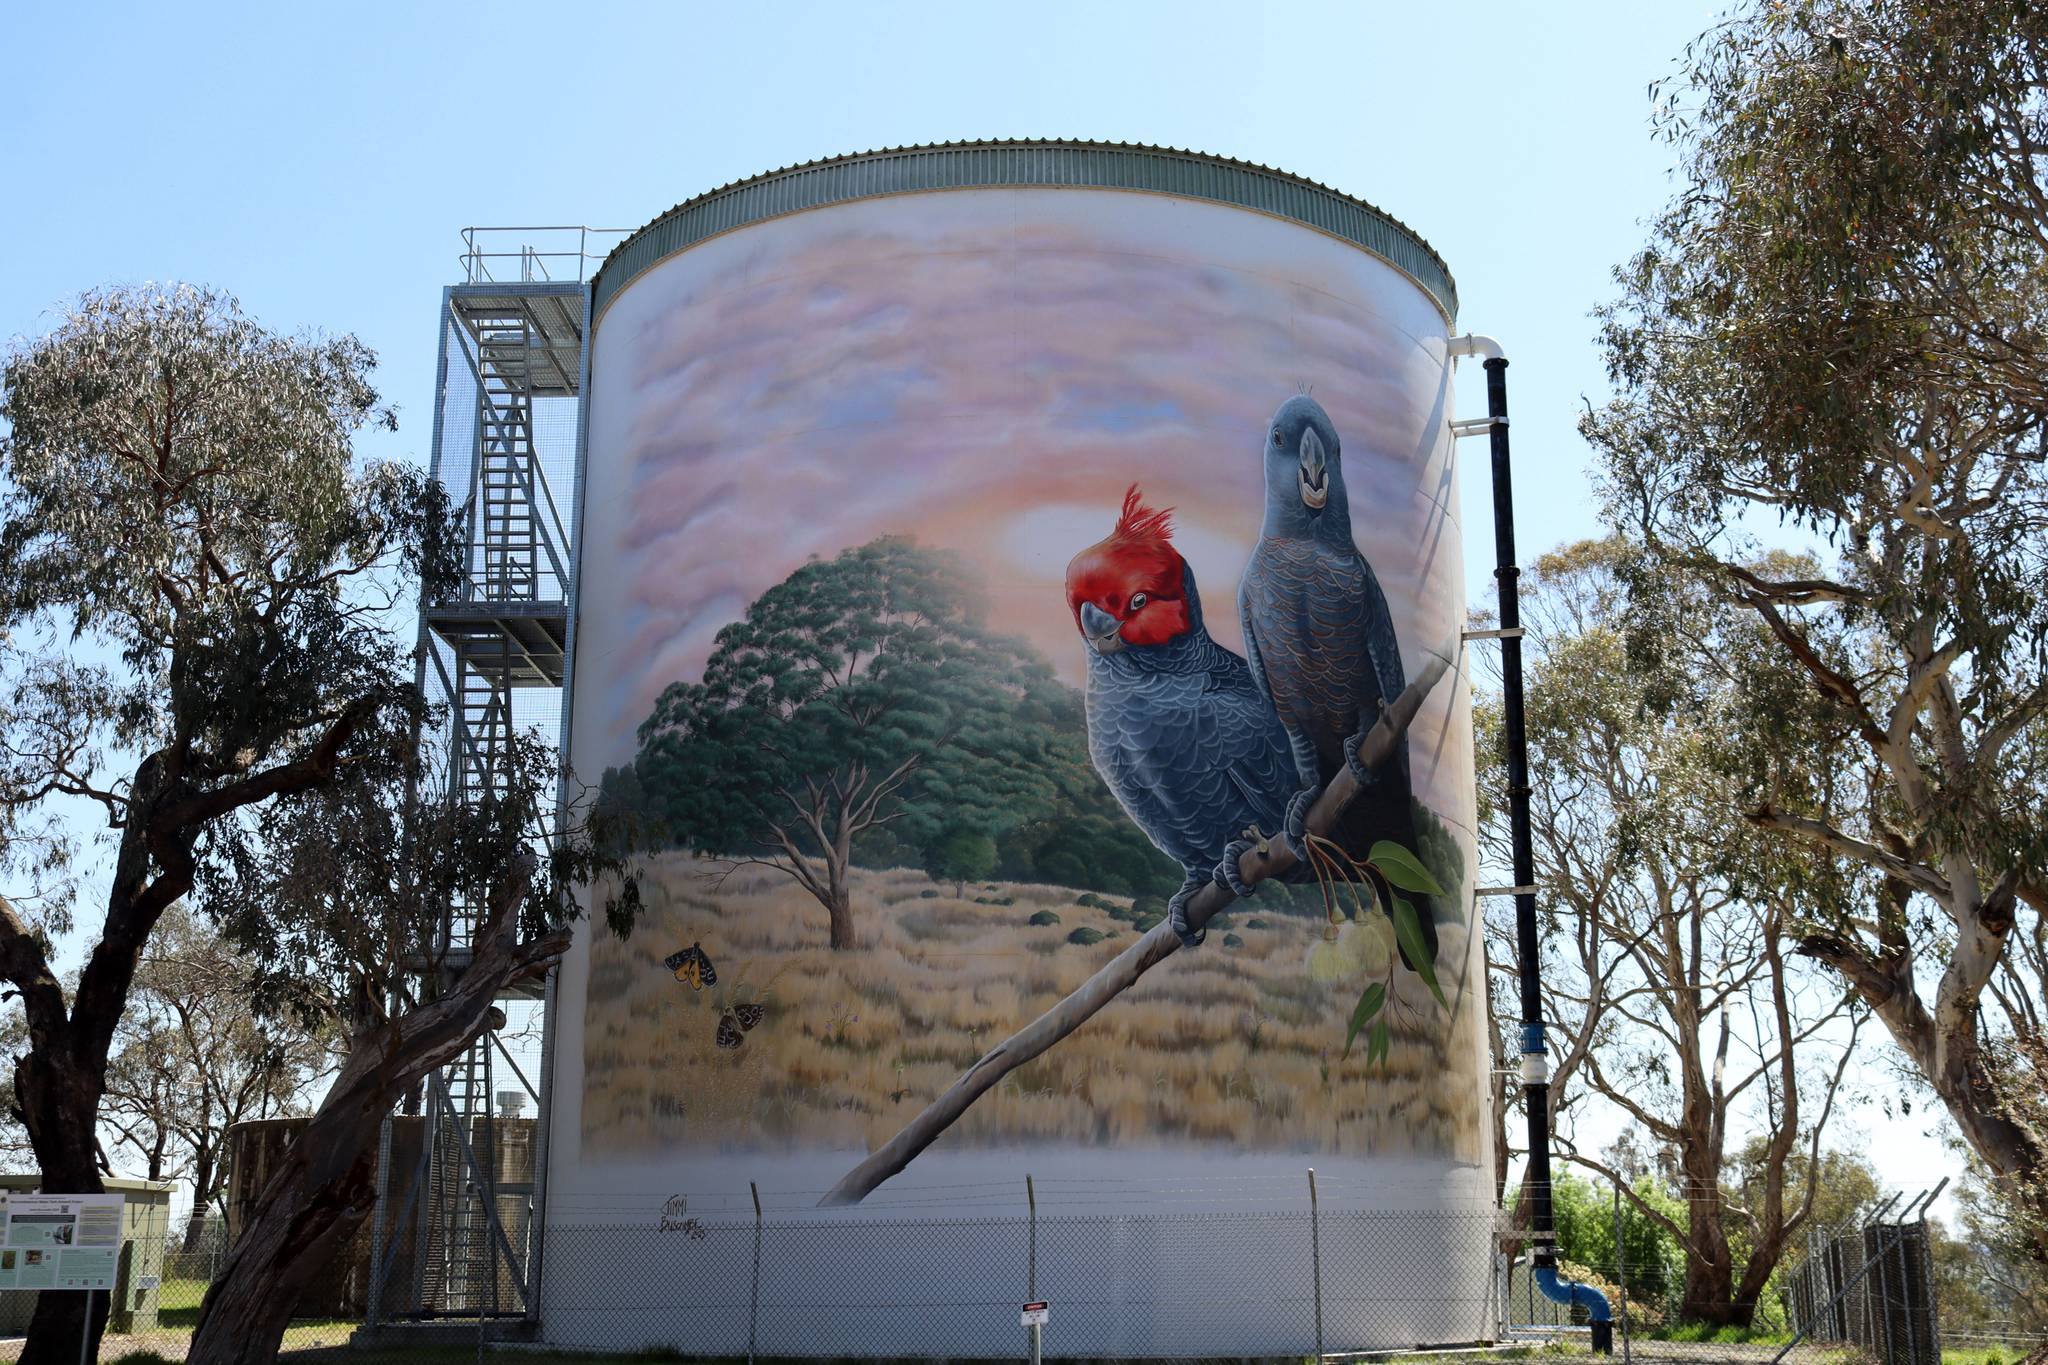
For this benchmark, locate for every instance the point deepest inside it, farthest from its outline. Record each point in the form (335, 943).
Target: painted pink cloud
(987, 371)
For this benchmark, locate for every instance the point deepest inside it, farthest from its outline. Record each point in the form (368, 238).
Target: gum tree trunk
(325, 1186)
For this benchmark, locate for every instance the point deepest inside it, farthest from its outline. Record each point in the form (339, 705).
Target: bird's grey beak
(1315, 474)
(1101, 629)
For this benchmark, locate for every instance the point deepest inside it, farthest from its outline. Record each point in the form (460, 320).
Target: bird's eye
(1276, 436)
(1138, 600)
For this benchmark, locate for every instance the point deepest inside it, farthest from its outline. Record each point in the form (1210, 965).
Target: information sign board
(59, 1241)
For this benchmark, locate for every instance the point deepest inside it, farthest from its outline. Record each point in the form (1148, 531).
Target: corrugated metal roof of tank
(1026, 163)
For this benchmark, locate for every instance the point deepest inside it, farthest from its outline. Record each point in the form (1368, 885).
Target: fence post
(1031, 1262)
(1621, 1272)
(754, 1307)
(373, 1311)
(1315, 1241)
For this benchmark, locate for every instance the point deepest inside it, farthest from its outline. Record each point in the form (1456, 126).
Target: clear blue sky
(320, 161)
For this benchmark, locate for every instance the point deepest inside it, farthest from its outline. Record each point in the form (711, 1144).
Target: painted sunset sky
(987, 374)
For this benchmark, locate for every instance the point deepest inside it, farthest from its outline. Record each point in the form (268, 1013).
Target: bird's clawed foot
(1233, 854)
(1177, 911)
(1295, 832)
(1360, 774)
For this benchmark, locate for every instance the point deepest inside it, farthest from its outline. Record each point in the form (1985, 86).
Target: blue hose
(1573, 1293)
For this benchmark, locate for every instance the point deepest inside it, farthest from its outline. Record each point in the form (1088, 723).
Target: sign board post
(1035, 1315)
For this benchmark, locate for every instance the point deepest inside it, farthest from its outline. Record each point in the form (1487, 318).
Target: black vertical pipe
(1535, 1095)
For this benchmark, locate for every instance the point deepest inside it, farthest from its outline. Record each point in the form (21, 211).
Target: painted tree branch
(1123, 971)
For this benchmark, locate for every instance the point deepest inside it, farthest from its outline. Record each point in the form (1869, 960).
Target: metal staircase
(506, 475)
(461, 1256)
(507, 408)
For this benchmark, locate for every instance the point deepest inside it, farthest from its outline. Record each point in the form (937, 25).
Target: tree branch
(1123, 971)
(1918, 875)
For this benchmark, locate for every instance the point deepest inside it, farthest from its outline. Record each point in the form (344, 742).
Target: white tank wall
(699, 495)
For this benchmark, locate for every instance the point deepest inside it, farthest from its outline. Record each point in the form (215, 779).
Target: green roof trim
(1020, 165)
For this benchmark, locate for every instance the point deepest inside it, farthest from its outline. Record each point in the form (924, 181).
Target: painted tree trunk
(839, 905)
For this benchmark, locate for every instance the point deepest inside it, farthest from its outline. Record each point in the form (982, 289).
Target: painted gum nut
(1327, 958)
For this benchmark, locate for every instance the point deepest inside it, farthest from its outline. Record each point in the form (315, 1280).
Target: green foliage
(1408, 930)
(1839, 327)
(1044, 918)
(1444, 859)
(868, 675)
(180, 498)
(178, 488)
(1401, 869)
(1631, 790)
(1363, 1014)
(863, 696)
(1086, 937)
(1232, 941)
(1585, 1233)
(1083, 838)
(961, 854)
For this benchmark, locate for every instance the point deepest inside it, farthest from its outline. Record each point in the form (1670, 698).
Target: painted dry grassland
(1222, 1045)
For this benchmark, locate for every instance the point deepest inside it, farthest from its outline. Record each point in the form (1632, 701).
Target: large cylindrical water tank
(872, 448)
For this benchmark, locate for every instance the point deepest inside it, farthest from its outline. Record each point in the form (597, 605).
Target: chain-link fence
(1276, 1284)
(1866, 1292)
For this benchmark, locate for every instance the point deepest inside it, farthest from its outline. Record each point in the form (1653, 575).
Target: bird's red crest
(1140, 522)
(1133, 575)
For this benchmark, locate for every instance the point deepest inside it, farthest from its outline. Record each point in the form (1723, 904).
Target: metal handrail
(476, 256)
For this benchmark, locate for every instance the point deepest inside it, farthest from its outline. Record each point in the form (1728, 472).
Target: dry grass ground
(1223, 1045)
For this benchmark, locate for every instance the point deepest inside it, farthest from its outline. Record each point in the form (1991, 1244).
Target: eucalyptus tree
(394, 919)
(1666, 922)
(859, 692)
(193, 1057)
(199, 584)
(1837, 335)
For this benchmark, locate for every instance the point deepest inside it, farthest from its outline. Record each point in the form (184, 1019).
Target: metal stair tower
(507, 413)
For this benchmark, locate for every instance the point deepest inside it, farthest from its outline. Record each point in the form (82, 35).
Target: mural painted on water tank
(963, 623)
